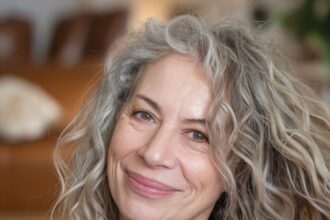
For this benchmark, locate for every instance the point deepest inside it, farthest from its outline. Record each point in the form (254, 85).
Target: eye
(198, 136)
(143, 116)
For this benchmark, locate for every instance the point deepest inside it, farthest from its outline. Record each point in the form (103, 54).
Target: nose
(158, 150)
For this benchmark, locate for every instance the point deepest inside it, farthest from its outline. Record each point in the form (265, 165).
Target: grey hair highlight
(276, 128)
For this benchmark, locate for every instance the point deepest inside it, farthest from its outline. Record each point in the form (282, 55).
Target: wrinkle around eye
(202, 145)
(145, 116)
(197, 136)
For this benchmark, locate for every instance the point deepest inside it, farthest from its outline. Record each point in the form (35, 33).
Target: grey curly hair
(276, 128)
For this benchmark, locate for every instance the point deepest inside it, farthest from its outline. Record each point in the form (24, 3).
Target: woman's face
(159, 165)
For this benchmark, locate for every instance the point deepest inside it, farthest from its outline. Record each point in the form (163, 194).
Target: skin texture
(159, 165)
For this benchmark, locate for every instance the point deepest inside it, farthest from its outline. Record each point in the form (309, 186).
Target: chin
(141, 212)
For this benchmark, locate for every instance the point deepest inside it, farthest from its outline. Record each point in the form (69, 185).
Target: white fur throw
(26, 111)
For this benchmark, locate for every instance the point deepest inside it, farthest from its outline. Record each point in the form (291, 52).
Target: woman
(196, 121)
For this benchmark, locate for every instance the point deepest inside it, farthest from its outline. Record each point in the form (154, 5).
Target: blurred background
(52, 55)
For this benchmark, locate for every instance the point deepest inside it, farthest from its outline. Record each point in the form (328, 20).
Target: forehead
(176, 68)
(177, 81)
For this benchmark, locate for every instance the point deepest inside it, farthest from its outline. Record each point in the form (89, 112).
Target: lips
(148, 187)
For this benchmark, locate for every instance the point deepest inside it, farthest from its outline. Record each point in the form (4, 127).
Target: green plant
(310, 22)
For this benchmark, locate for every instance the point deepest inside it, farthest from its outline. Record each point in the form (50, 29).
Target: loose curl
(276, 129)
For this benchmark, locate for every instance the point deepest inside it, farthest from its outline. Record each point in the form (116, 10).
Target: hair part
(275, 127)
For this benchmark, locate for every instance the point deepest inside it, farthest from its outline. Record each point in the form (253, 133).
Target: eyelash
(143, 115)
(148, 117)
(202, 139)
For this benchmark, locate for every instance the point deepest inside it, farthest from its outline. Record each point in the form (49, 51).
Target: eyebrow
(193, 120)
(151, 102)
(155, 105)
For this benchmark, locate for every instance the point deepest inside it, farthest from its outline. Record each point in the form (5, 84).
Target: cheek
(122, 144)
(202, 174)
(123, 140)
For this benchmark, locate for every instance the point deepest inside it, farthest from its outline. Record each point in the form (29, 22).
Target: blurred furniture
(28, 182)
(105, 29)
(15, 41)
(70, 39)
(88, 34)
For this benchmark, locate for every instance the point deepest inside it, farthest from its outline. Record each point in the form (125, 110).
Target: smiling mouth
(147, 187)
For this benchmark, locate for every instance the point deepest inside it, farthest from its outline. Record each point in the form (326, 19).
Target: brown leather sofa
(28, 183)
